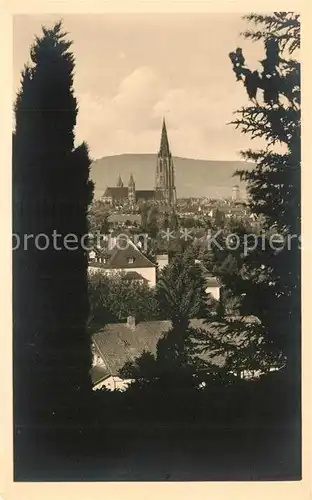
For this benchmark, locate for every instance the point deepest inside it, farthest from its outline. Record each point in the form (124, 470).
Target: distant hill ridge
(193, 178)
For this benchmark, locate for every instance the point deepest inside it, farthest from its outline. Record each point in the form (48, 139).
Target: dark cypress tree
(51, 195)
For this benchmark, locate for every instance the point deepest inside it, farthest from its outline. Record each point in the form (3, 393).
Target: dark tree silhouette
(272, 290)
(51, 194)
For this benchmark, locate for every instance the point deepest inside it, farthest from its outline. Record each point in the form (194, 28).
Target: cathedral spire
(131, 180)
(119, 182)
(165, 184)
(164, 143)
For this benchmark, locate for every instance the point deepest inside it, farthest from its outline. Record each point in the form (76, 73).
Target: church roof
(164, 143)
(120, 193)
(117, 193)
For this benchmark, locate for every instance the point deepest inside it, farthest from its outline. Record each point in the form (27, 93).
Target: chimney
(131, 322)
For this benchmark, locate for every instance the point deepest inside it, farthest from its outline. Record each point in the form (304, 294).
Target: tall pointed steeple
(131, 191)
(165, 185)
(119, 182)
(164, 143)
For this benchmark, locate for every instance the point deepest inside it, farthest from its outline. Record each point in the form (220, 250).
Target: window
(130, 260)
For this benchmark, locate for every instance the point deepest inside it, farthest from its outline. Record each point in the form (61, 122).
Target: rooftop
(125, 255)
(116, 192)
(118, 344)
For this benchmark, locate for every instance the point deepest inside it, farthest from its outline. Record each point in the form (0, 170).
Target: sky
(133, 69)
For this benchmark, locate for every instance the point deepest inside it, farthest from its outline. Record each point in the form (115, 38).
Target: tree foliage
(181, 290)
(272, 284)
(113, 299)
(97, 216)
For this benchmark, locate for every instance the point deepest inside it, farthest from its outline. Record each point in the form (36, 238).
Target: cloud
(136, 98)
(131, 120)
(125, 122)
(127, 77)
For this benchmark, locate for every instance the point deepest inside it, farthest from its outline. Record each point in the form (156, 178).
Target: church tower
(131, 191)
(119, 182)
(165, 185)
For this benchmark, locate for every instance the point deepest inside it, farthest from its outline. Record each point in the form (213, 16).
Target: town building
(164, 191)
(123, 257)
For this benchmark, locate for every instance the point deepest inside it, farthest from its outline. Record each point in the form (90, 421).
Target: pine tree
(272, 284)
(181, 290)
(51, 193)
